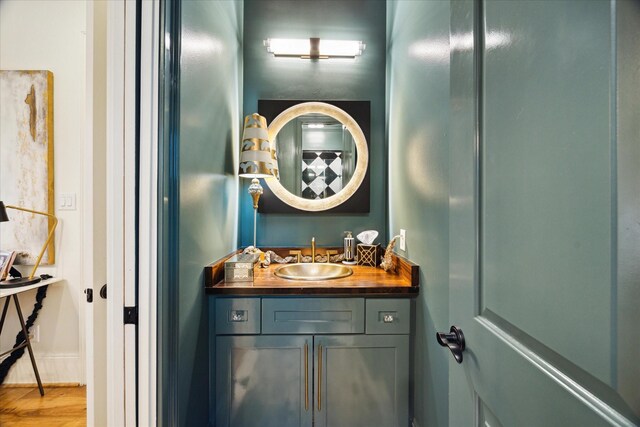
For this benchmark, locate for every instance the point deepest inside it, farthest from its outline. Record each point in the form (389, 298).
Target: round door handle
(454, 340)
(103, 292)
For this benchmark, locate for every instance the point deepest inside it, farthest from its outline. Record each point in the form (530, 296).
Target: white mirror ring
(362, 150)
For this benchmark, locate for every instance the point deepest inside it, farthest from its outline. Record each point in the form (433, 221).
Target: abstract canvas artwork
(26, 161)
(321, 173)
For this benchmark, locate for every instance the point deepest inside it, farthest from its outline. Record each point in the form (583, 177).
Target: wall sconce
(257, 160)
(22, 281)
(314, 48)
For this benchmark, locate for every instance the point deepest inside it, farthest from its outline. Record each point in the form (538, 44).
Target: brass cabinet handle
(306, 376)
(319, 377)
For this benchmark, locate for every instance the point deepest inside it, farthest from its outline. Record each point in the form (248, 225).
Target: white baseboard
(53, 368)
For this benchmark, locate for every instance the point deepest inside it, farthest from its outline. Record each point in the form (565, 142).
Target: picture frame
(26, 161)
(7, 258)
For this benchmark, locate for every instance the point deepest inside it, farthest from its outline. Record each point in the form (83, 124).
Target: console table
(12, 293)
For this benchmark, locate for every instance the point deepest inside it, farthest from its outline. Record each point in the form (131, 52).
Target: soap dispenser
(349, 246)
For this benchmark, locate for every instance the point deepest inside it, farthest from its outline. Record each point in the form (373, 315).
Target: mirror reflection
(316, 156)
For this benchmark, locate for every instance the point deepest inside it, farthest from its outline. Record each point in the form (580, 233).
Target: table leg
(26, 337)
(4, 313)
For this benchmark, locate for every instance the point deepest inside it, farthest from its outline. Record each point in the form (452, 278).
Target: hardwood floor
(60, 406)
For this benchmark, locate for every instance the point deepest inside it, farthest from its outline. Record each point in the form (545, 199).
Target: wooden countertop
(365, 281)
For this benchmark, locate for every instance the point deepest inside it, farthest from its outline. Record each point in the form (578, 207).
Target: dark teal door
(264, 381)
(361, 380)
(544, 248)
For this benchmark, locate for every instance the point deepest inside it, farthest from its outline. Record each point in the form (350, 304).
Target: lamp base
(19, 281)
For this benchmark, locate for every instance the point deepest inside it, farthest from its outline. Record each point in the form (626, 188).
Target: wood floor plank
(9, 394)
(59, 407)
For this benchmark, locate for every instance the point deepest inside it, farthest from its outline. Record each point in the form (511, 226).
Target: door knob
(454, 340)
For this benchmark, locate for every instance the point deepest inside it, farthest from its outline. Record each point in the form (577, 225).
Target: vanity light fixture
(315, 125)
(257, 160)
(314, 48)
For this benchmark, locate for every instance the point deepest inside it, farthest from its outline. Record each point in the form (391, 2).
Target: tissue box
(239, 268)
(367, 254)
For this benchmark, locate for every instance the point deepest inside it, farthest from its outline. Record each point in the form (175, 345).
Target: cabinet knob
(388, 317)
(238, 315)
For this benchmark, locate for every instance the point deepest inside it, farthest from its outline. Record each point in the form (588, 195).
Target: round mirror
(322, 156)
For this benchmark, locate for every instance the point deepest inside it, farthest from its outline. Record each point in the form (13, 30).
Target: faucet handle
(329, 253)
(298, 254)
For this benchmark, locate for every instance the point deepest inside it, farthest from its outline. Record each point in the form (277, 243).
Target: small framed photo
(7, 259)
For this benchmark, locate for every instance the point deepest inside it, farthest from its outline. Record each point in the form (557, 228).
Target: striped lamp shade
(257, 156)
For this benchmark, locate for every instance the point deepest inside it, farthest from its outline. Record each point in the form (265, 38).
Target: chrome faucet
(313, 249)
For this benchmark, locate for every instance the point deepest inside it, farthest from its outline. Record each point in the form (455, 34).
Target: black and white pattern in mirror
(321, 173)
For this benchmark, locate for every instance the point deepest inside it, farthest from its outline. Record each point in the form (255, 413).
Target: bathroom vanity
(302, 353)
(310, 344)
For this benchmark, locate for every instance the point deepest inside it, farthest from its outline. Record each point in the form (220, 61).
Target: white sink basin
(313, 271)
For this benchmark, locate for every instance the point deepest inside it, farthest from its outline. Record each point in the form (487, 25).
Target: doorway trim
(148, 213)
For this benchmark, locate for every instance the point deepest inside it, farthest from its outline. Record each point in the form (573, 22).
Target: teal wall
(209, 125)
(418, 126)
(266, 77)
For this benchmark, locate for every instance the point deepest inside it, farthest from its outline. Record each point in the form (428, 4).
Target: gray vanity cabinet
(261, 381)
(280, 362)
(362, 380)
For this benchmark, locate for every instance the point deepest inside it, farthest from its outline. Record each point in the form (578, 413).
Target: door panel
(546, 176)
(361, 380)
(533, 245)
(261, 381)
(486, 417)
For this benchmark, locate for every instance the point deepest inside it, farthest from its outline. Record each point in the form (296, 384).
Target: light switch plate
(403, 236)
(67, 202)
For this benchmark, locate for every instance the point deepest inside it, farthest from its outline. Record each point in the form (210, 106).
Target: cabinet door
(361, 380)
(260, 381)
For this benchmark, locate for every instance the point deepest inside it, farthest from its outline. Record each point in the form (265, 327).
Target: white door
(94, 228)
(121, 210)
(131, 229)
